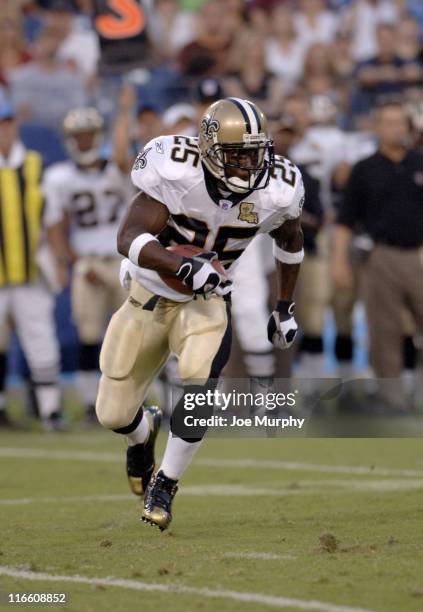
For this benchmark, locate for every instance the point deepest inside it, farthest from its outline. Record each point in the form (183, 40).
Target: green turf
(376, 556)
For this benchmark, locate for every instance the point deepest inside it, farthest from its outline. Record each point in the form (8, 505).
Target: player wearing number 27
(85, 200)
(215, 192)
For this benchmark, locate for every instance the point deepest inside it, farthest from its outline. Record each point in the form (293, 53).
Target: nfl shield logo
(225, 204)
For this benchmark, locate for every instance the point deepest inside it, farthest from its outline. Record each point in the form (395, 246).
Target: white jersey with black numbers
(169, 169)
(93, 199)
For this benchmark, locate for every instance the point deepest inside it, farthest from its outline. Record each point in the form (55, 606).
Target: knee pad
(121, 345)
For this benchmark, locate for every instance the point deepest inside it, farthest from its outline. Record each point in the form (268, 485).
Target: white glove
(198, 274)
(282, 327)
(125, 275)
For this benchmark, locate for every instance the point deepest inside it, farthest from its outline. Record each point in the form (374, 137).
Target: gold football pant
(140, 339)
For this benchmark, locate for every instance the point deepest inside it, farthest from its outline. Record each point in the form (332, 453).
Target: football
(187, 250)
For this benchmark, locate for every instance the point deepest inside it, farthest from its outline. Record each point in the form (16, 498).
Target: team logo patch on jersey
(209, 127)
(246, 213)
(141, 160)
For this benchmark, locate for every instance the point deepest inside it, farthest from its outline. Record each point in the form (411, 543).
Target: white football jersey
(169, 170)
(95, 200)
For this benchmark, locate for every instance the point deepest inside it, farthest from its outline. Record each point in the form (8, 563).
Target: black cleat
(158, 501)
(54, 422)
(140, 462)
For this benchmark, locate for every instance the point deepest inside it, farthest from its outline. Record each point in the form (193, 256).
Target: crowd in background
(317, 68)
(351, 51)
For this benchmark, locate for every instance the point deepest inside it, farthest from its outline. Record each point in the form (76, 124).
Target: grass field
(309, 524)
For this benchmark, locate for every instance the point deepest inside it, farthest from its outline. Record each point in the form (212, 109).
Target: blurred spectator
(13, 50)
(392, 176)
(362, 19)
(343, 71)
(415, 112)
(408, 43)
(130, 137)
(44, 90)
(341, 57)
(170, 28)
(284, 50)
(297, 106)
(79, 48)
(251, 80)
(85, 6)
(386, 73)
(149, 124)
(209, 53)
(180, 119)
(314, 23)
(258, 15)
(318, 76)
(206, 92)
(415, 8)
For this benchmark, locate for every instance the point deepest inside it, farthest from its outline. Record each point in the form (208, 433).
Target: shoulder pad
(172, 157)
(284, 182)
(284, 194)
(58, 172)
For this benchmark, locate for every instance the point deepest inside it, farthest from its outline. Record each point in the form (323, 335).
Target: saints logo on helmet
(209, 126)
(83, 129)
(235, 146)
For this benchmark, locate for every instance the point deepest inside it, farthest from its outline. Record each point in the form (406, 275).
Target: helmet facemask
(84, 156)
(242, 168)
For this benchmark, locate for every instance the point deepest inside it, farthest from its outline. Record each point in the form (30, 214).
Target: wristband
(286, 257)
(137, 245)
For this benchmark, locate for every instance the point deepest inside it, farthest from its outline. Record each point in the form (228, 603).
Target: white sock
(87, 383)
(177, 457)
(48, 399)
(140, 433)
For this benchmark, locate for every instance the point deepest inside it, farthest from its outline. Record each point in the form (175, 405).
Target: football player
(216, 192)
(85, 199)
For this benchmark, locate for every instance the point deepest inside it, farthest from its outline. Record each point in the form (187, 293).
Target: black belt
(151, 303)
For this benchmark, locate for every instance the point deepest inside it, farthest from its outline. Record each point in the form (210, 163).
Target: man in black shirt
(384, 197)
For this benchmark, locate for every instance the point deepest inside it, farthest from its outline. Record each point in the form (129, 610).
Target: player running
(215, 192)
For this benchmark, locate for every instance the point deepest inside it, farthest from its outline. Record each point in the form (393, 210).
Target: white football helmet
(80, 123)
